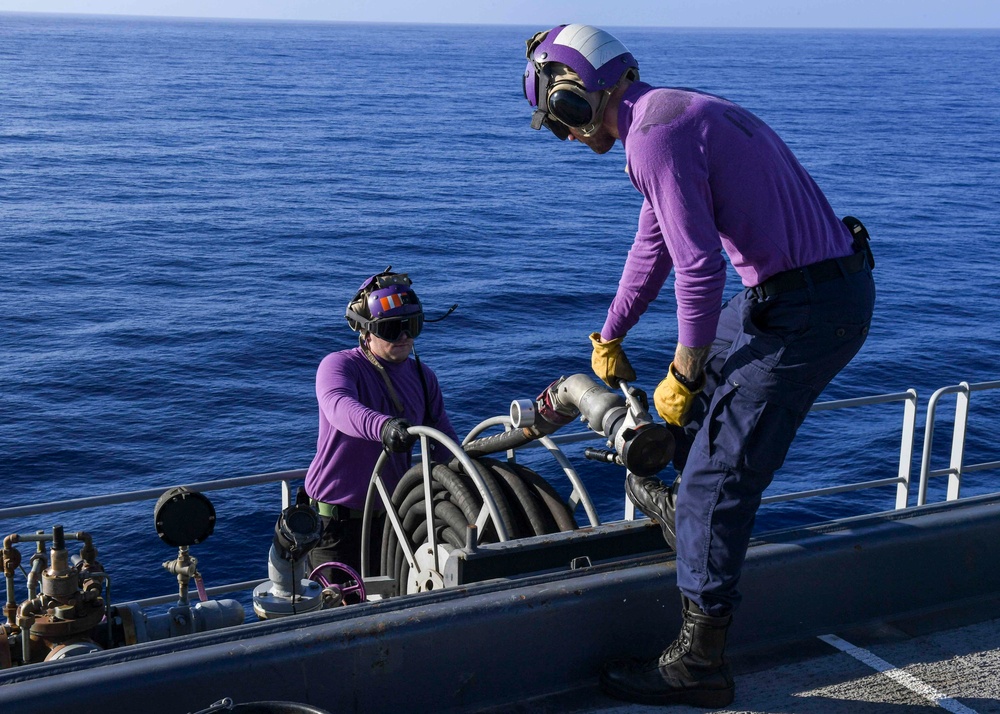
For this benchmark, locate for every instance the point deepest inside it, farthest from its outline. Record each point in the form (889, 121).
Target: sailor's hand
(609, 361)
(396, 437)
(674, 395)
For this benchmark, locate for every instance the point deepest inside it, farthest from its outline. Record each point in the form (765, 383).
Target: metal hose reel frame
(580, 495)
(489, 512)
(377, 486)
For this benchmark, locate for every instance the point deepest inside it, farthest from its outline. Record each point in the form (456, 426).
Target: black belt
(820, 272)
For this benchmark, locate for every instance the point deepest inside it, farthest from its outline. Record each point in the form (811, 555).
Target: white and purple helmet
(596, 61)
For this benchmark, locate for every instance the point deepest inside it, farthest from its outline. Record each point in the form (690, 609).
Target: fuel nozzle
(637, 442)
(642, 446)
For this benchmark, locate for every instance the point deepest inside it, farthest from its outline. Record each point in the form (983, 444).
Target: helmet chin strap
(393, 394)
(367, 352)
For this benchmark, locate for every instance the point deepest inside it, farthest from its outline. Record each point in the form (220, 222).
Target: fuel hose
(527, 504)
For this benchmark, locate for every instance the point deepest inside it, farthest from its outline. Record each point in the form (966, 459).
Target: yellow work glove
(673, 400)
(609, 361)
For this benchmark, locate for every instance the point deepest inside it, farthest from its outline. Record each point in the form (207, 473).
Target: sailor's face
(396, 351)
(599, 142)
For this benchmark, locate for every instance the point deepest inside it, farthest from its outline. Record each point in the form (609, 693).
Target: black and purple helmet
(596, 62)
(386, 306)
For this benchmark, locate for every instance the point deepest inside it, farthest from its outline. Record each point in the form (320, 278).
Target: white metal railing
(902, 478)
(957, 465)
(150, 494)
(907, 434)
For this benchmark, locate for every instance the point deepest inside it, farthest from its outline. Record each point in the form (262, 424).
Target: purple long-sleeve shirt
(713, 177)
(354, 404)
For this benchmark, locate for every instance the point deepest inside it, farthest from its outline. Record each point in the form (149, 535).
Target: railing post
(958, 441)
(957, 466)
(925, 459)
(906, 448)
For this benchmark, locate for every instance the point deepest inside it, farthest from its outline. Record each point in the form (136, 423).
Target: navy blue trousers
(770, 360)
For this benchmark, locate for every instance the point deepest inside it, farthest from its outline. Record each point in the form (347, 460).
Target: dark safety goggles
(572, 105)
(392, 328)
(563, 103)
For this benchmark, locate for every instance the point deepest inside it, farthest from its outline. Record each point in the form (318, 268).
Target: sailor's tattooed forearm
(690, 361)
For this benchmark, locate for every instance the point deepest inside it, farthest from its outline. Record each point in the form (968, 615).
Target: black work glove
(395, 437)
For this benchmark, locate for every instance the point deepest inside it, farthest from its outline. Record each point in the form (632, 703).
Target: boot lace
(679, 647)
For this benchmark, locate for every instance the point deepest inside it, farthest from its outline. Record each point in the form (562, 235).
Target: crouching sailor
(369, 396)
(714, 179)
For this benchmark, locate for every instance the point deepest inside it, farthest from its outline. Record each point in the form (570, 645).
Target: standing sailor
(714, 179)
(369, 396)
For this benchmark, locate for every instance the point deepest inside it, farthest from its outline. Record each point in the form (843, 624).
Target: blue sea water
(186, 207)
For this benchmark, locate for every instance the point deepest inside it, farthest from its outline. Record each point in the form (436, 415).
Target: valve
(353, 586)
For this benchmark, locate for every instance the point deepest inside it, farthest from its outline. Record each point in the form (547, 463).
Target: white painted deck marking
(898, 675)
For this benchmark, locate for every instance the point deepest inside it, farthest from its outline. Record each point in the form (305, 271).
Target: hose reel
(527, 504)
(433, 507)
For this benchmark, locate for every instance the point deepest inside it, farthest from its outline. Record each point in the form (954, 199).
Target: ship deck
(938, 661)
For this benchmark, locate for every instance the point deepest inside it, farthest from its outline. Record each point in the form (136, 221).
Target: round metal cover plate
(184, 517)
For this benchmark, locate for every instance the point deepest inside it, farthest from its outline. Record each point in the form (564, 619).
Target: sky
(645, 13)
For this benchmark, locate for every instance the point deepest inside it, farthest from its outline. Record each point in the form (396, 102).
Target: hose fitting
(642, 446)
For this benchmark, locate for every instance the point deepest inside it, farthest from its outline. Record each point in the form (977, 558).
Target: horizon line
(212, 18)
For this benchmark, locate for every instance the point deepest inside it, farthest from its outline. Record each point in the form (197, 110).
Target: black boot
(691, 671)
(659, 502)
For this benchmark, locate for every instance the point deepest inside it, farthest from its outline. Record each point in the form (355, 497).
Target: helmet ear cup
(358, 308)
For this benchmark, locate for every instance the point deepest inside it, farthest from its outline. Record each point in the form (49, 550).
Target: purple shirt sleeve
(354, 405)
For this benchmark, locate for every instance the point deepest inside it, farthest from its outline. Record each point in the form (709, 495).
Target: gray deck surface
(955, 670)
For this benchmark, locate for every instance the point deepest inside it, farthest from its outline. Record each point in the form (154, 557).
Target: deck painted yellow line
(898, 675)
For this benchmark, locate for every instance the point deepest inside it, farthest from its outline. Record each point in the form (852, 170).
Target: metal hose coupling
(531, 419)
(640, 445)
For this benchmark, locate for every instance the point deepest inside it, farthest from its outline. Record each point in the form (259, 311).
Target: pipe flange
(51, 627)
(646, 449)
(72, 649)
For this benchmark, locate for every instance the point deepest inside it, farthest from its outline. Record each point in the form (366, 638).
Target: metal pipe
(10, 608)
(594, 402)
(641, 446)
(25, 622)
(35, 574)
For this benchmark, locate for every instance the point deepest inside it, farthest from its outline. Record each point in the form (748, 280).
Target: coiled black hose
(526, 504)
(504, 441)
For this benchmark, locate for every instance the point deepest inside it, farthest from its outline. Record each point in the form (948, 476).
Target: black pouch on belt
(861, 238)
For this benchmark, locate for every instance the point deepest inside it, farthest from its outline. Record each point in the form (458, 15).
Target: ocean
(187, 206)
